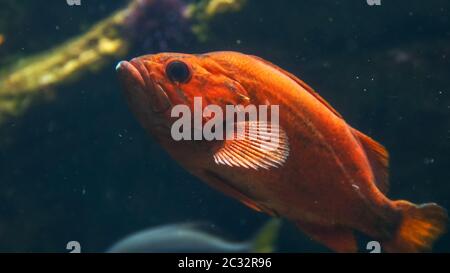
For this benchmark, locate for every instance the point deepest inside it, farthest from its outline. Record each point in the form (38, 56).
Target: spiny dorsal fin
(301, 83)
(256, 148)
(378, 158)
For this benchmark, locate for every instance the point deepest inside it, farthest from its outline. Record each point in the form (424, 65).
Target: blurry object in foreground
(2, 39)
(149, 25)
(191, 238)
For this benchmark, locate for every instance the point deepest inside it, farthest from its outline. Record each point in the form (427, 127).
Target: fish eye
(178, 72)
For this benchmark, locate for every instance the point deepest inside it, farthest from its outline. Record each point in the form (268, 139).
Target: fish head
(154, 84)
(206, 85)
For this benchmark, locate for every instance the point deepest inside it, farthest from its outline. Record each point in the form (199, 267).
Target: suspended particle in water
(428, 160)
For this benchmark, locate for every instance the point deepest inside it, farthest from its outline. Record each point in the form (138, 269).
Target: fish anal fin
(218, 182)
(250, 204)
(338, 239)
(308, 88)
(378, 158)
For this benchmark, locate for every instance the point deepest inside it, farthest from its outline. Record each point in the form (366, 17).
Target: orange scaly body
(333, 179)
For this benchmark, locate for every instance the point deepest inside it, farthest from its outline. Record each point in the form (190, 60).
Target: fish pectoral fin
(255, 145)
(378, 158)
(339, 239)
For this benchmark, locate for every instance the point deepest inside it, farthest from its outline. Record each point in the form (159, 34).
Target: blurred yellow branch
(22, 83)
(203, 11)
(60, 64)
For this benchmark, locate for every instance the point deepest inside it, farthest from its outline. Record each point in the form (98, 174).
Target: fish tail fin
(420, 226)
(265, 239)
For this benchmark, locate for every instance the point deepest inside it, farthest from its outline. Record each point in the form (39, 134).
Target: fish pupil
(178, 71)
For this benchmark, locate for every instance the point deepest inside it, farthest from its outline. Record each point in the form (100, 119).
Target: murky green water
(76, 166)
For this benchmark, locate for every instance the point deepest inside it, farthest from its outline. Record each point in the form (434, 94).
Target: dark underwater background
(79, 167)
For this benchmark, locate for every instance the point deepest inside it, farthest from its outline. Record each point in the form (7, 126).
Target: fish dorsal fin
(261, 145)
(301, 83)
(378, 158)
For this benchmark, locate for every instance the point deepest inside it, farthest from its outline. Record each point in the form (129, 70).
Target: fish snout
(137, 80)
(129, 76)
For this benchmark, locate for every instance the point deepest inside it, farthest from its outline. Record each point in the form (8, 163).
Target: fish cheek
(181, 95)
(141, 108)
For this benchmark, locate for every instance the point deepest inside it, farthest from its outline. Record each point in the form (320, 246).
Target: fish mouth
(137, 81)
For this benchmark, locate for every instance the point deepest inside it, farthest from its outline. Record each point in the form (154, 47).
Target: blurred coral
(151, 25)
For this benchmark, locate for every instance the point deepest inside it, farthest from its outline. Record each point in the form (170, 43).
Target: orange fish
(327, 177)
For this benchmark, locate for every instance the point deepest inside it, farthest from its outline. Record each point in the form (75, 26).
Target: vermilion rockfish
(326, 176)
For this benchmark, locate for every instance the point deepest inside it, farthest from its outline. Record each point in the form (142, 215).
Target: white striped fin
(261, 145)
